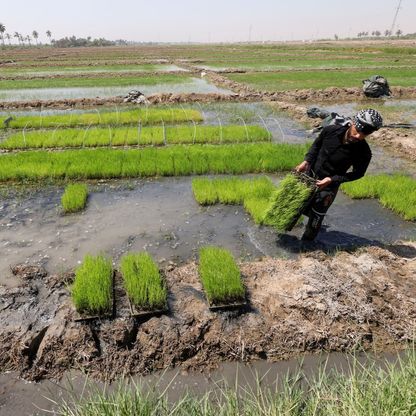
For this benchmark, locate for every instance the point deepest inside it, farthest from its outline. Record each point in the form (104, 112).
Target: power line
(395, 18)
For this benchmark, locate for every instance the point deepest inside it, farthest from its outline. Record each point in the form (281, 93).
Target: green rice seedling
(93, 286)
(287, 201)
(156, 136)
(74, 197)
(145, 116)
(220, 276)
(396, 192)
(204, 191)
(147, 162)
(254, 194)
(142, 281)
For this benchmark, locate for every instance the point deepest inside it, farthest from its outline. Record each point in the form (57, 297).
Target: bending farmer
(333, 153)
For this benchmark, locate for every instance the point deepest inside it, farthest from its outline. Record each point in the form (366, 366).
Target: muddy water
(162, 217)
(193, 85)
(20, 398)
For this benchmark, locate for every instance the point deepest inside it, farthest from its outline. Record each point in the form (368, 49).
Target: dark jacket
(328, 156)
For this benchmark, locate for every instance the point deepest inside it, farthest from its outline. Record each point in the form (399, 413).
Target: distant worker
(332, 154)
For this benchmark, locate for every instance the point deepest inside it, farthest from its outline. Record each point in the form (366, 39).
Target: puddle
(21, 398)
(194, 85)
(162, 217)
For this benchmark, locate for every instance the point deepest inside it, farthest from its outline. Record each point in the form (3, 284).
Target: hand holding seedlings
(303, 167)
(323, 183)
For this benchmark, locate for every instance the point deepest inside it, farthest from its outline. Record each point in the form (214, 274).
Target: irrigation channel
(19, 398)
(353, 288)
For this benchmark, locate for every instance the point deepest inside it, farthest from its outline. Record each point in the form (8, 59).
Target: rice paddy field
(175, 208)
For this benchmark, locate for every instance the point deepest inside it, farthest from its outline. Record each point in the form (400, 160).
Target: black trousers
(316, 211)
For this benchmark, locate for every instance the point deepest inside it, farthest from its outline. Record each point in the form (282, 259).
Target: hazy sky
(205, 21)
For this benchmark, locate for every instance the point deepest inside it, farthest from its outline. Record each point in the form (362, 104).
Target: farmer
(332, 154)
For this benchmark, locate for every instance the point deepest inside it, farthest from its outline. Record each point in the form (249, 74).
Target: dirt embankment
(365, 299)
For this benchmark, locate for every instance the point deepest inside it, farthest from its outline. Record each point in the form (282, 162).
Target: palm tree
(17, 36)
(8, 38)
(49, 35)
(399, 33)
(22, 39)
(28, 40)
(2, 30)
(35, 36)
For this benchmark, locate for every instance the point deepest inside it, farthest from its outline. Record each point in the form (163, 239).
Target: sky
(205, 20)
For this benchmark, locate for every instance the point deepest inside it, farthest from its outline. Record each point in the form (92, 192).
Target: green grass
(92, 288)
(286, 202)
(282, 81)
(74, 197)
(99, 81)
(144, 286)
(366, 389)
(254, 194)
(147, 162)
(396, 192)
(133, 136)
(144, 115)
(220, 276)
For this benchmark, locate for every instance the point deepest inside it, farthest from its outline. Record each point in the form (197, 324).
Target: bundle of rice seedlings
(287, 202)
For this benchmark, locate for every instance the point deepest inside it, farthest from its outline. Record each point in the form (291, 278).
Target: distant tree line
(67, 42)
(377, 34)
(73, 41)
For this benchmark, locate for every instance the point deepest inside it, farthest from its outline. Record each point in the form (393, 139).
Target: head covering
(367, 121)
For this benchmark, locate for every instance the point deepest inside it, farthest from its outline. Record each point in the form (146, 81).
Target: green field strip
(147, 162)
(143, 116)
(157, 136)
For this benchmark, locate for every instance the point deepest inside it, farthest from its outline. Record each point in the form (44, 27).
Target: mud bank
(365, 299)
(240, 94)
(165, 98)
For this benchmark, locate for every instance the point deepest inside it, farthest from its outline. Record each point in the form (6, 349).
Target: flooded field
(194, 85)
(352, 289)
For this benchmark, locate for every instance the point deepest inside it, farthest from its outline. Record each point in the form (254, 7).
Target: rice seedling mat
(143, 313)
(81, 317)
(227, 306)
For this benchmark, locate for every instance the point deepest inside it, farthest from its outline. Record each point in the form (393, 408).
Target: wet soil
(364, 299)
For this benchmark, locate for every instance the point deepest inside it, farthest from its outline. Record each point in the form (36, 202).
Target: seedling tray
(80, 317)
(218, 307)
(140, 313)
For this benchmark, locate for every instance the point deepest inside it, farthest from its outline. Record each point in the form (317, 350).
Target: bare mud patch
(365, 299)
